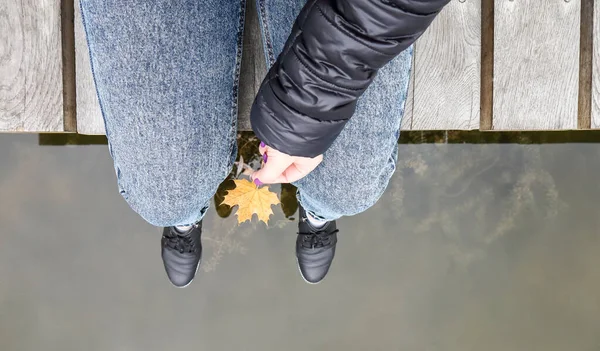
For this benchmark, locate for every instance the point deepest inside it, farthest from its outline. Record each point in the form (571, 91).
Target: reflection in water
(472, 247)
(474, 197)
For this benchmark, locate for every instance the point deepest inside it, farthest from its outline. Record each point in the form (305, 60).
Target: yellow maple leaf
(250, 200)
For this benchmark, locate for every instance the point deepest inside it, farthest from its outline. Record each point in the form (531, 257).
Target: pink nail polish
(257, 182)
(262, 144)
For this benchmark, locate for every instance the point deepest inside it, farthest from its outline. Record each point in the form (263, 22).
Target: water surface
(473, 247)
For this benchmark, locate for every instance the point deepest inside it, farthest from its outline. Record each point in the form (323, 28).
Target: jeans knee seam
(266, 33)
(236, 86)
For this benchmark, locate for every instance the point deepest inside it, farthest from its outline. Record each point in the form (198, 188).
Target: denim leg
(166, 74)
(357, 168)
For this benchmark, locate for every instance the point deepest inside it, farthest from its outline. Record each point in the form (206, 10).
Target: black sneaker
(315, 248)
(181, 254)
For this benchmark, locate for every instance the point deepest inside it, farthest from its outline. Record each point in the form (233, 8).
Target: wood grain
(89, 115)
(31, 98)
(536, 64)
(596, 70)
(447, 70)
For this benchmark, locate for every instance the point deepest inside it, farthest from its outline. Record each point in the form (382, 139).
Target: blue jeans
(166, 73)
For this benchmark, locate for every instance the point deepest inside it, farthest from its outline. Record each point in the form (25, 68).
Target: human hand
(282, 168)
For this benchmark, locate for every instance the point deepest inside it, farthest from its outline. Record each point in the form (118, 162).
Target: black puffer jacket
(333, 54)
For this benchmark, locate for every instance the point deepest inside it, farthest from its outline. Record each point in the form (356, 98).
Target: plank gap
(67, 15)
(487, 65)
(253, 68)
(586, 52)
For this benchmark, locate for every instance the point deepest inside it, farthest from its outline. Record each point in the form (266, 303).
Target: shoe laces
(181, 242)
(317, 238)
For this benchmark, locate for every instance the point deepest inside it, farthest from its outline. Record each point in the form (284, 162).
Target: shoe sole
(190, 282)
(302, 275)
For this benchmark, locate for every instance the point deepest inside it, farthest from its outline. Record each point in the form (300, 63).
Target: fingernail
(257, 182)
(262, 144)
(265, 158)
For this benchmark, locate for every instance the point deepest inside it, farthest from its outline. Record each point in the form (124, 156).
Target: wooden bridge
(483, 64)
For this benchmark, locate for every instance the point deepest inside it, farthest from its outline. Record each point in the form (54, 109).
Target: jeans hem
(203, 212)
(310, 212)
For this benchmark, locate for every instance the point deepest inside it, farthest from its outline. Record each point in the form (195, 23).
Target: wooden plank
(12, 75)
(89, 115)
(487, 65)
(536, 64)
(447, 70)
(596, 70)
(31, 97)
(254, 67)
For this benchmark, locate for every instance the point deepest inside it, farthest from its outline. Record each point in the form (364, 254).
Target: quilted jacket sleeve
(332, 55)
